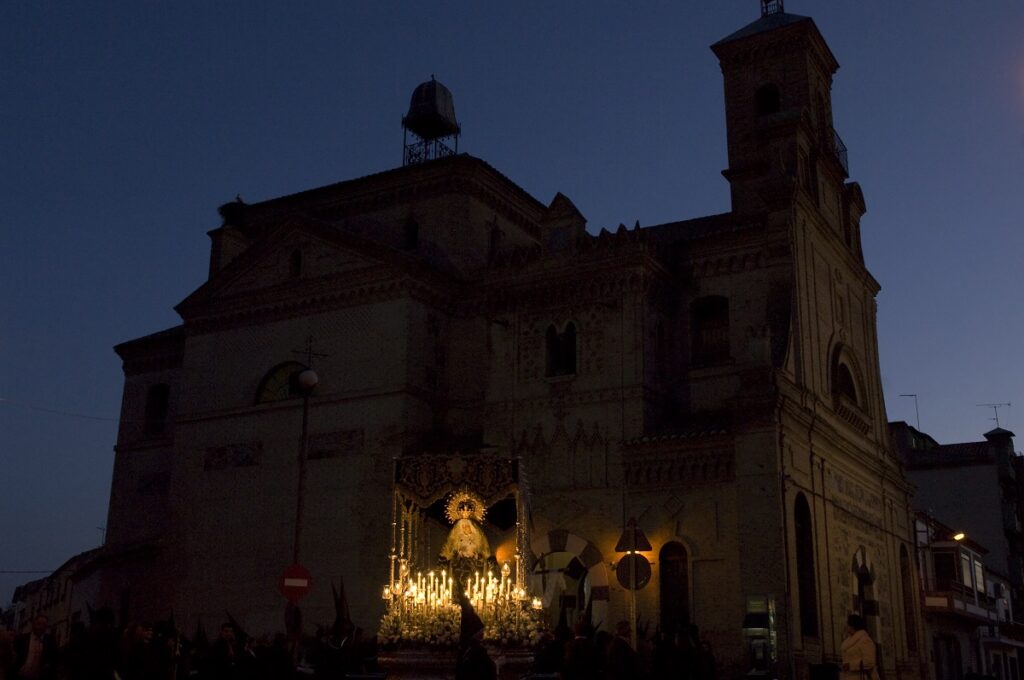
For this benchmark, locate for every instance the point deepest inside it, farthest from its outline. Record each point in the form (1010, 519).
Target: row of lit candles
(435, 591)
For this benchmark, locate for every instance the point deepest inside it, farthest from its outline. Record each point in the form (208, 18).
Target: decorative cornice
(254, 308)
(728, 264)
(679, 467)
(566, 400)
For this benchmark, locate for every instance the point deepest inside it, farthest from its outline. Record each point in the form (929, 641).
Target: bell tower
(781, 140)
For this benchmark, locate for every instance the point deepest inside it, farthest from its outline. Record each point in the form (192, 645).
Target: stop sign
(295, 583)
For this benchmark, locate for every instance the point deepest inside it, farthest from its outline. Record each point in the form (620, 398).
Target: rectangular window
(157, 402)
(965, 569)
(945, 570)
(979, 576)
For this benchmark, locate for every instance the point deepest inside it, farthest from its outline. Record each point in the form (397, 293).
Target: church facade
(715, 378)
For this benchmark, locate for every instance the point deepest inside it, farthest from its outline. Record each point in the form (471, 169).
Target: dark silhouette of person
(35, 652)
(622, 660)
(221, 664)
(580, 655)
(473, 663)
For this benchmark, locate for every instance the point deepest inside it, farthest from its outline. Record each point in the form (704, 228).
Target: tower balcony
(838, 149)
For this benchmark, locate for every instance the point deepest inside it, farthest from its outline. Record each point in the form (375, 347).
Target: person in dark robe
(580, 655)
(276, 660)
(706, 666)
(621, 663)
(221, 664)
(473, 663)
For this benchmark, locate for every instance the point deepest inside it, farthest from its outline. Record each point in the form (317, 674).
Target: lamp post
(305, 381)
(638, 570)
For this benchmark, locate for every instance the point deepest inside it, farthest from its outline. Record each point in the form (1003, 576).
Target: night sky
(123, 125)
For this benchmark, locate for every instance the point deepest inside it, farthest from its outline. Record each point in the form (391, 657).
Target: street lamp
(305, 381)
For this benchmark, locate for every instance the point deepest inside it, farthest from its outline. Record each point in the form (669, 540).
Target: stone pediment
(285, 261)
(295, 257)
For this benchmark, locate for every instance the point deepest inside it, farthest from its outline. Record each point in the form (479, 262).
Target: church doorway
(674, 566)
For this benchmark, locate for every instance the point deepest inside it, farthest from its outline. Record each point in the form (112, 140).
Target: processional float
(431, 564)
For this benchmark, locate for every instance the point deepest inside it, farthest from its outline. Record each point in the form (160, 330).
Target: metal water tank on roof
(431, 111)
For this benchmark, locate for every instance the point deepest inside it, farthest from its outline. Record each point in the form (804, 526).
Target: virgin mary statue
(466, 550)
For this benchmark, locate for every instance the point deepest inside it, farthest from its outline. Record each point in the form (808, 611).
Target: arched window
(280, 382)
(660, 345)
(295, 264)
(673, 562)
(158, 399)
(767, 100)
(906, 576)
(560, 351)
(569, 349)
(808, 592)
(710, 330)
(843, 382)
(551, 350)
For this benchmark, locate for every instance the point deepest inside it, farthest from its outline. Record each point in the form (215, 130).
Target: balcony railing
(839, 149)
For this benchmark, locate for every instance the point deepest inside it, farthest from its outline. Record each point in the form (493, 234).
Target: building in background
(975, 487)
(972, 587)
(717, 378)
(54, 596)
(968, 613)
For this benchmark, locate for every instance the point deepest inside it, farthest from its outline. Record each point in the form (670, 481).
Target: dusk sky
(123, 125)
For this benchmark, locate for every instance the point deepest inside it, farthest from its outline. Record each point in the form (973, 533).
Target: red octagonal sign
(295, 583)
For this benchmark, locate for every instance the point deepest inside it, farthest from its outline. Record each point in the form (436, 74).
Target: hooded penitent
(471, 623)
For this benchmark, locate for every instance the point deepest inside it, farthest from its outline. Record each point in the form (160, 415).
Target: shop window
(808, 593)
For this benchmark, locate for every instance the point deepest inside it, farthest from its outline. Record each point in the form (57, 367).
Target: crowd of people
(590, 654)
(143, 651)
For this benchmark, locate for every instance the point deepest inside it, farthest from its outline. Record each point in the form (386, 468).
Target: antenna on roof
(916, 412)
(771, 7)
(995, 408)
